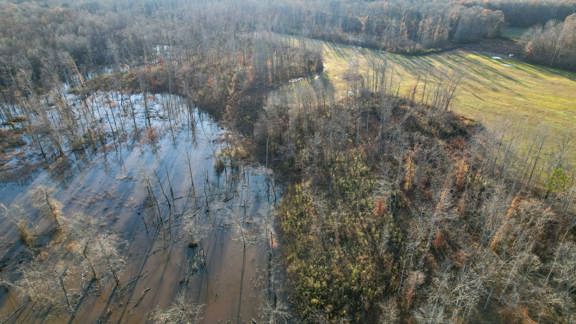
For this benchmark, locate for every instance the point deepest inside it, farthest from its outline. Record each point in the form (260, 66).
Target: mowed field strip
(526, 100)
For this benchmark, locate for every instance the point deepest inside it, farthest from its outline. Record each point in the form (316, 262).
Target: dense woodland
(395, 209)
(399, 26)
(553, 44)
(406, 213)
(527, 13)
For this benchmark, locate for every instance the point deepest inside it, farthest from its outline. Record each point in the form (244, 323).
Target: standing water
(153, 223)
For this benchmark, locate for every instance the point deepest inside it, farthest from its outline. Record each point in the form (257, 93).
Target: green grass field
(525, 100)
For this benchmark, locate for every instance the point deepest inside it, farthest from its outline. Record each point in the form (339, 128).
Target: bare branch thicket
(179, 312)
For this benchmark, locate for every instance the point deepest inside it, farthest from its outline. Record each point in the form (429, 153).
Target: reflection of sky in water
(218, 212)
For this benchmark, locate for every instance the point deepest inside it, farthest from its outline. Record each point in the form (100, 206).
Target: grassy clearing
(524, 100)
(513, 33)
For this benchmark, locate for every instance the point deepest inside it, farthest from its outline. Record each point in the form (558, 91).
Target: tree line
(552, 44)
(42, 46)
(527, 13)
(399, 26)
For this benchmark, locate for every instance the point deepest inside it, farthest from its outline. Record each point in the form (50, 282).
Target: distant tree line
(553, 44)
(206, 52)
(527, 13)
(551, 39)
(43, 43)
(406, 27)
(42, 46)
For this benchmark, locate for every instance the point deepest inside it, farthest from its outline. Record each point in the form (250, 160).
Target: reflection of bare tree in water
(185, 215)
(251, 227)
(274, 309)
(228, 201)
(80, 259)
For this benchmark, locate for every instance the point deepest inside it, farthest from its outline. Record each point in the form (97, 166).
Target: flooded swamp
(131, 208)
